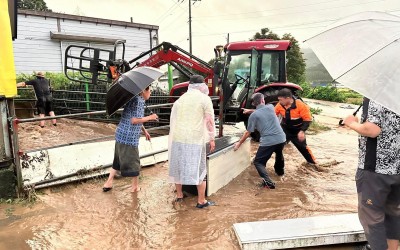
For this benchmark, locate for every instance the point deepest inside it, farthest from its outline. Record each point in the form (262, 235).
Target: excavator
(240, 69)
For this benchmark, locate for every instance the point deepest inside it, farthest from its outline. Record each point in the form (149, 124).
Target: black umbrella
(129, 85)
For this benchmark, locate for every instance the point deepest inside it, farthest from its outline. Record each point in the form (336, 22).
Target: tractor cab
(250, 67)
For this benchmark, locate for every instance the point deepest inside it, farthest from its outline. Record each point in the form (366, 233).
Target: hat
(196, 79)
(40, 74)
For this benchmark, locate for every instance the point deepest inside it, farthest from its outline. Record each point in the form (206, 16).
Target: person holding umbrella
(378, 174)
(131, 90)
(372, 69)
(126, 157)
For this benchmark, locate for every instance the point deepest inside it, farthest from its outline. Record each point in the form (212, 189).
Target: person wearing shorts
(126, 156)
(378, 174)
(44, 97)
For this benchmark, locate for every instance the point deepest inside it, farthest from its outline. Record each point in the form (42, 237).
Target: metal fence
(81, 98)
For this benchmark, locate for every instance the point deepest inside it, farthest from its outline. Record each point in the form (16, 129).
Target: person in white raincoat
(191, 127)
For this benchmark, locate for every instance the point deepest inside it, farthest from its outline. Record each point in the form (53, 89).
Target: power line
(293, 26)
(262, 11)
(277, 27)
(296, 12)
(168, 26)
(168, 12)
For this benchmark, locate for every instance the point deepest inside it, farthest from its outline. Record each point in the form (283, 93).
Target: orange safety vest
(293, 117)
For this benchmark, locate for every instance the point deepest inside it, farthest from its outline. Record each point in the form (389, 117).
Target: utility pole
(190, 24)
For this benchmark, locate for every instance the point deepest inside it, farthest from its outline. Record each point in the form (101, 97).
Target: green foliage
(58, 81)
(33, 5)
(352, 97)
(350, 93)
(296, 66)
(265, 34)
(315, 111)
(331, 93)
(328, 93)
(316, 127)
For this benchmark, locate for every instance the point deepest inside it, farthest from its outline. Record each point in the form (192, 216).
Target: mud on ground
(81, 216)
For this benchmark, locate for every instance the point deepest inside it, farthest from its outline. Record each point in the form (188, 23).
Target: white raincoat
(191, 127)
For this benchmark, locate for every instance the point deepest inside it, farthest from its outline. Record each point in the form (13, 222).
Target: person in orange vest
(296, 118)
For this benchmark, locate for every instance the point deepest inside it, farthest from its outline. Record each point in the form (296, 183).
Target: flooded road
(81, 216)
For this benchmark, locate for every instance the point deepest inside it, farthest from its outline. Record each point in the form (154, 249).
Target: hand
(301, 135)
(153, 117)
(212, 146)
(148, 137)
(247, 111)
(350, 119)
(236, 146)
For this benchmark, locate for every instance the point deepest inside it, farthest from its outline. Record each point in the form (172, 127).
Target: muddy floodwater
(81, 216)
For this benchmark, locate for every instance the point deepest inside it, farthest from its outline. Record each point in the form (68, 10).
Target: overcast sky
(212, 20)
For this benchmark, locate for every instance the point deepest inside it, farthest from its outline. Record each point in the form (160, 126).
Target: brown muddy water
(81, 216)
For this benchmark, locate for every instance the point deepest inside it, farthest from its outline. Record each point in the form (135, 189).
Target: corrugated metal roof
(87, 19)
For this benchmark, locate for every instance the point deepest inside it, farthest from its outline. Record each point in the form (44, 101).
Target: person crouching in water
(126, 156)
(191, 127)
(272, 139)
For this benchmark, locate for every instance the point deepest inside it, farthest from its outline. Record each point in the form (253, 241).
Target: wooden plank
(300, 232)
(226, 164)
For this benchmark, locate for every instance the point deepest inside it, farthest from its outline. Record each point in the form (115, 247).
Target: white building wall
(34, 50)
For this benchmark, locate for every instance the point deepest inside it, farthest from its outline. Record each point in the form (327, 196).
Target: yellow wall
(8, 86)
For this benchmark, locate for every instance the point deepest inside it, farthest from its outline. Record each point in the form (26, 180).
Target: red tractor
(246, 68)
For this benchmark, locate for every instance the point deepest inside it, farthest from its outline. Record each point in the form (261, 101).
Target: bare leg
(54, 121)
(393, 244)
(135, 184)
(201, 193)
(41, 122)
(109, 182)
(179, 193)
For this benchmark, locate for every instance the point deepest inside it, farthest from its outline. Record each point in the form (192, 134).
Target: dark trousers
(300, 145)
(263, 155)
(379, 207)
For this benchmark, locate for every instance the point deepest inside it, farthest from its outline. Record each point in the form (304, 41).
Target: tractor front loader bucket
(91, 65)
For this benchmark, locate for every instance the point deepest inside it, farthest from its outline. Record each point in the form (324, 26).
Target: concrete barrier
(74, 162)
(300, 232)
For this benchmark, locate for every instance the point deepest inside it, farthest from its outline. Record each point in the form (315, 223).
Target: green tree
(33, 5)
(265, 34)
(296, 66)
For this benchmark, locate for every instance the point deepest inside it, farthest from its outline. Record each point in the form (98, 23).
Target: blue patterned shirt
(128, 133)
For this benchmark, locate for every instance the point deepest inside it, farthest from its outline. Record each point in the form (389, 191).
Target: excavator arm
(171, 53)
(181, 60)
